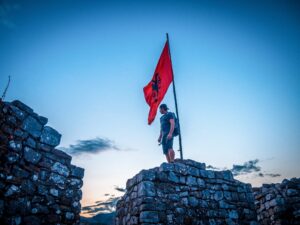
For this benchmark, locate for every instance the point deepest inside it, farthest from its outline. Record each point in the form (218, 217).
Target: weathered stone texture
(278, 203)
(38, 183)
(185, 192)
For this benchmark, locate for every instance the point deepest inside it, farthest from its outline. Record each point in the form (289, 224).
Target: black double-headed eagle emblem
(155, 86)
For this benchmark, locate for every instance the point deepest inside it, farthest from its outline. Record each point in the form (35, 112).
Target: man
(167, 125)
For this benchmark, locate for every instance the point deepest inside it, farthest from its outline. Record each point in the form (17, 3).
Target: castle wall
(278, 203)
(185, 192)
(38, 183)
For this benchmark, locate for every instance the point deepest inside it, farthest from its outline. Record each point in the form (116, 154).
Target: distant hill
(99, 219)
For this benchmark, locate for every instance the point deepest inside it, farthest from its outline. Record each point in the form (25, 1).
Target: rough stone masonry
(38, 183)
(185, 192)
(278, 203)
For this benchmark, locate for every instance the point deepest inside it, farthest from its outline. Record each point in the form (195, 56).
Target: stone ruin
(185, 192)
(38, 183)
(278, 203)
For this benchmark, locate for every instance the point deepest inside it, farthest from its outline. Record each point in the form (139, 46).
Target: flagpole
(175, 98)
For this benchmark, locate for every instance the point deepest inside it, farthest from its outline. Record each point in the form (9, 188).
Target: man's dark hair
(163, 106)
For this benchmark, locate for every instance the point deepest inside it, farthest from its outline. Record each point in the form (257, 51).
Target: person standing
(167, 126)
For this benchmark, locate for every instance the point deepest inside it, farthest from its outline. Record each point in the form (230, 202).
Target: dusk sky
(83, 65)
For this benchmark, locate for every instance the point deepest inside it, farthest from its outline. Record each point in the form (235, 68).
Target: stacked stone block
(38, 183)
(278, 203)
(185, 192)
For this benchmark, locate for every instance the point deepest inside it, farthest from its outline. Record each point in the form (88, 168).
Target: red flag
(156, 89)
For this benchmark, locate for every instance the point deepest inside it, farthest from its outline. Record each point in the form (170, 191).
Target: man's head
(163, 108)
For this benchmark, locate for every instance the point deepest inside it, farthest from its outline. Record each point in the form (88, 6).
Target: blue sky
(83, 65)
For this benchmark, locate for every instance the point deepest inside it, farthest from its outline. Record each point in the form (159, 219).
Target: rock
(191, 181)
(291, 192)
(22, 106)
(54, 192)
(227, 195)
(201, 182)
(38, 208)
(43, 175)
(146, 188)
(218, 195)
(75, 182)
(35, 177)
(42, 190)
(233, 214)
(69, 194)
(146, 175)
(192, 163)
(31, 143)
(193, 201)
(11, 120)
(172, 177)
(17, 112)
(32, 126)
(224, 205)
(50, 136)
(210, 174)
(28, 187)
(44, 147)
(34, 210)
(180, 168)
(166, 167)
(77, 171)
(60, 169)
(57, 179)
(21, 134)
(193, 171)
(149, 217)
(13, 189)
(12, 157)
(227, 175)
(42, 120)
(15, 145)
(31, 156)
(69, 215)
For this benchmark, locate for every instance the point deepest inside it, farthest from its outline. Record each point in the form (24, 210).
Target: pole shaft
(175, 99)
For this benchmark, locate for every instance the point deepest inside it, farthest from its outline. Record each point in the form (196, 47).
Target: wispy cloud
(120, 189)
(104, 206)
(248, 167)
(251, 166)
(269, 175)
(212, 167)
(108, 205)
(91, 146)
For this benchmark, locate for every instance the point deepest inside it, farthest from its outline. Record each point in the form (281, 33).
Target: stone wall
(185, 192)
(38, 183)
(278, 203)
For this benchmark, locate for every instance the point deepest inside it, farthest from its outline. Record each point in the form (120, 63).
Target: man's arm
(172, 127)
(160, 136)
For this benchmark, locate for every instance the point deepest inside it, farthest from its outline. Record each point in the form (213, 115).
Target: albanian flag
(156, 89)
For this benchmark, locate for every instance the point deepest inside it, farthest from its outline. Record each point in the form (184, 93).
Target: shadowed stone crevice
(38, 183)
